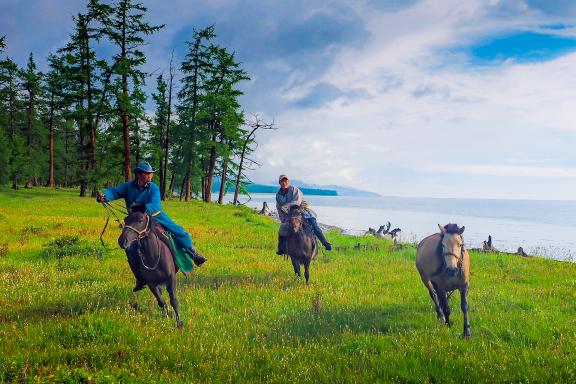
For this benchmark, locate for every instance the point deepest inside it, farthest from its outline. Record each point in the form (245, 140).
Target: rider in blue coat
(143, 191)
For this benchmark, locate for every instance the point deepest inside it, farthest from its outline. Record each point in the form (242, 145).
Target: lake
(545, 228)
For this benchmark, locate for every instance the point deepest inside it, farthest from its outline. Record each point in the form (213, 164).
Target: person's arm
(281, 213)
(154, 206)
(116, 192)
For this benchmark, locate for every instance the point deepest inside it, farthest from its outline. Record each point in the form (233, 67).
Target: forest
(86, 121)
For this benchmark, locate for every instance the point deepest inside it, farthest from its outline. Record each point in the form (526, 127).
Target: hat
(282, 177)
(144, 167)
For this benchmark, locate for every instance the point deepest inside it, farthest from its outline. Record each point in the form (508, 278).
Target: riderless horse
(444, 266)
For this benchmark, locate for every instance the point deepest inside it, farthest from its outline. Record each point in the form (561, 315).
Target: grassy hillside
(65, 312)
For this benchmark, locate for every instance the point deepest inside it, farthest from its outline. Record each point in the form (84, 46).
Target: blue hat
(144, 167)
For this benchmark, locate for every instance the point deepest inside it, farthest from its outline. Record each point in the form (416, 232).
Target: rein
(110, 209)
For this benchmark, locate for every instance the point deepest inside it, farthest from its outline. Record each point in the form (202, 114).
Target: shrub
(71, 245)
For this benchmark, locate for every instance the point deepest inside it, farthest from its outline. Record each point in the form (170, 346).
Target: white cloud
(503, 170)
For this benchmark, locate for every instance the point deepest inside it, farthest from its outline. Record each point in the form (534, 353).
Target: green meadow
(67, 313)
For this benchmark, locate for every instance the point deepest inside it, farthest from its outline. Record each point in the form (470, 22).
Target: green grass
(66, 313)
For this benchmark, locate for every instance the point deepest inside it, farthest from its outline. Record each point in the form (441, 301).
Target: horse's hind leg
(434, 296)
(171, 288)
(155, 289)
(464, 307)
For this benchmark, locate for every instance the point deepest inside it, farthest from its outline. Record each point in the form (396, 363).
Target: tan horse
(444, 265)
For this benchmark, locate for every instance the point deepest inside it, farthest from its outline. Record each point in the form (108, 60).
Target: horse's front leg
(155, 289)
(464, 307)
(443, 299)
(171, 288)
(296, 266)
(434, 297)
(307, 269)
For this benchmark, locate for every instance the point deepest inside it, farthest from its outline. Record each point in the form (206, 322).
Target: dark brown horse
(301, 243)
(140, 239)
(444, 265)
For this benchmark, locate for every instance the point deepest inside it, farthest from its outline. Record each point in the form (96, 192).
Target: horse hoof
(179, 324)
(466, 334)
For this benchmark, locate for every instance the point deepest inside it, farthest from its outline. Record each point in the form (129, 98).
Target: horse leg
(155, 289)
(307, 270)
(171, 288)
(464, 307)
(434, 296)
(296, 266)
(443, 299)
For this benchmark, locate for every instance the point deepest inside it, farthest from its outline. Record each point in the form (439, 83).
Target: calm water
(546, 228)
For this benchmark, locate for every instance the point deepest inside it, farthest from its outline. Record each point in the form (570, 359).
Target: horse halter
(140, 233)
(459, 258)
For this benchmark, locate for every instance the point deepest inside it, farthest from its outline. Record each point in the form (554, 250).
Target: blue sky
(439, 98)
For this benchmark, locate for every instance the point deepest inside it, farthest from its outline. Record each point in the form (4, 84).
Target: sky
(429, 98)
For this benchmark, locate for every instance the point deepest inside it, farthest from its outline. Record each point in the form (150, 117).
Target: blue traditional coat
(149, 196)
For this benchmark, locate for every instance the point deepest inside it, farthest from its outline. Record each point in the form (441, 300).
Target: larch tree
(124, 25)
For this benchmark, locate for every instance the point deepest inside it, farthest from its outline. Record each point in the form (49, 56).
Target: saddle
(181, 259)
(165, 237)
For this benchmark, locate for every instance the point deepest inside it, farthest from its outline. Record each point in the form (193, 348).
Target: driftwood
(358, 247)
(488, 247)
(265, 210)
(384, 231)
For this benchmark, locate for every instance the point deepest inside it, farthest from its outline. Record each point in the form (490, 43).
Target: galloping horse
(444, 265)
(301, 243)
(140, 239)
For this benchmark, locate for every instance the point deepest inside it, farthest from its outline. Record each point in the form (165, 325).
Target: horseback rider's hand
(285, 208)
(100, 197)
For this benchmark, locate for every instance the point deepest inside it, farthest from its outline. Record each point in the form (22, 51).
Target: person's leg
(181, 238)
(318, 232)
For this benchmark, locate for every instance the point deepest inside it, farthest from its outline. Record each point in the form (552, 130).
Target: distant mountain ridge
(342, 191)
(307, 189)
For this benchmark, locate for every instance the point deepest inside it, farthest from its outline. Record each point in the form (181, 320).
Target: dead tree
(249, 139)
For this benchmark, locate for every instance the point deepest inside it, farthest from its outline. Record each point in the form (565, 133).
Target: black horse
(140, 238)
(301, 243)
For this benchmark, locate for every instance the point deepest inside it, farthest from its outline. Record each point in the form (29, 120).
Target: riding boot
(195, 256)
(133, 262)
(281, 245)
(319, 234)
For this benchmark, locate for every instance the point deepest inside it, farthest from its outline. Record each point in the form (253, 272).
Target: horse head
(295, 218)
(136, 226)
(452, 247)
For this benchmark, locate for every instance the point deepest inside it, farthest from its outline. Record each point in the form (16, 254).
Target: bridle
(459, 258)
(142, 234)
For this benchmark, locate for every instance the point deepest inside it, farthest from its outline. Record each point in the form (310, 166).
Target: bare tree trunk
(123, 106)
(223, 181)
(210, 175)
(167, 139)
(239, 177)
(51, 183)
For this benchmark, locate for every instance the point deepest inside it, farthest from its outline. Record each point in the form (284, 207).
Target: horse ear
(442, 229)
(461, 231)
